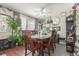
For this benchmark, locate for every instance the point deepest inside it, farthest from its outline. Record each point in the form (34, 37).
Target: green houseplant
(16, 31)
(74, 19)
(50, 20)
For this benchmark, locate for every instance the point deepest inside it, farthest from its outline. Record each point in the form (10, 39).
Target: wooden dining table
(40, 39)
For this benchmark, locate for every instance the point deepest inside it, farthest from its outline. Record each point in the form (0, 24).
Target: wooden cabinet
(70, 34)
(5, 44)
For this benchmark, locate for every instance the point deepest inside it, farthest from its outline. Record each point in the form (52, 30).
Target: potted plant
(16, 36)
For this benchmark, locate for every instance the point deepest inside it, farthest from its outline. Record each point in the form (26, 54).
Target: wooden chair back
(53, 35)
(28, 41)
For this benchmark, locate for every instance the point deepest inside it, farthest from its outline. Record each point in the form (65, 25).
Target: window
(3, 25)
(23, 22)
(31, 24)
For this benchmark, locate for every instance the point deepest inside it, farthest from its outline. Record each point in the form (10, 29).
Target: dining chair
(49, 45)
(54, 37)
(29, 44)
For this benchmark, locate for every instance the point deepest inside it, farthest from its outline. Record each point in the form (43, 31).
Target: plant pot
(12, 44)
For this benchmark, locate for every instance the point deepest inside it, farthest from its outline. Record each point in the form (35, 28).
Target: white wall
(62, 24)
(77, 22)
(62, 31)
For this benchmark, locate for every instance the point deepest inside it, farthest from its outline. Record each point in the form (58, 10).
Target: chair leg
(38, 51)
(32, 53)
(42, 51)
(25, 54)
(49, 51)
(25, 51)
(52, 49)
(54, 45)
(71, 54)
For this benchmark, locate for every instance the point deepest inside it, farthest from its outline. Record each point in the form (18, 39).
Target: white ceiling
(33, 9)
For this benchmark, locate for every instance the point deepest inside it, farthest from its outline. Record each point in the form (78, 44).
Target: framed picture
(57, 28)
(56, 21)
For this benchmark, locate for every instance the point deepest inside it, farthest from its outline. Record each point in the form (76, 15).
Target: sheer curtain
(23, 22)
(31, 24)
(27, 23)
(3, 25)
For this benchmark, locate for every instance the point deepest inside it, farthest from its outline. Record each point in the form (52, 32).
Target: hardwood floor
(17, 51)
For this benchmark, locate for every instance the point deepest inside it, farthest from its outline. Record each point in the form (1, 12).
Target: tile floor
(19, 51)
